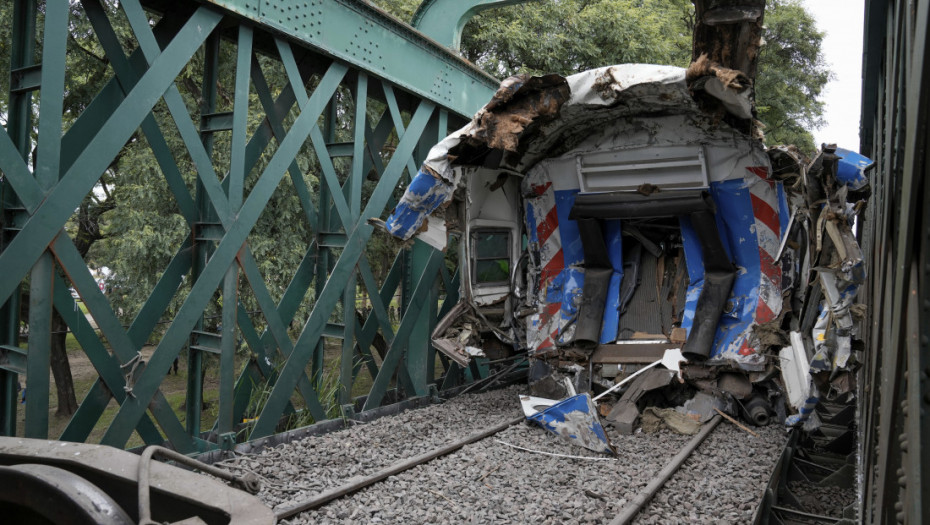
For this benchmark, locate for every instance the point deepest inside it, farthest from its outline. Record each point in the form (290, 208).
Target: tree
(792, 75)
(569, 36)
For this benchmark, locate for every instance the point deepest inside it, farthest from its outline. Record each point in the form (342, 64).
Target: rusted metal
(176, 494)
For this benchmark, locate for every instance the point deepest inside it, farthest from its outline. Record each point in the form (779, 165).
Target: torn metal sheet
(638, 199)
(575, 419)
(702, 407)
(655, 419)
(852, 168)
(425, 193)
(795, 371)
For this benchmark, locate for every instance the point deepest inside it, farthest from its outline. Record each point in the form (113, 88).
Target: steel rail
(641, 499)
(360, 483)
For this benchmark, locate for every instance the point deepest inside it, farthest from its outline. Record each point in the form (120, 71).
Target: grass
(173, 386)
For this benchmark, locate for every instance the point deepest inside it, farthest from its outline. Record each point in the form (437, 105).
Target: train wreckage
(607, 218)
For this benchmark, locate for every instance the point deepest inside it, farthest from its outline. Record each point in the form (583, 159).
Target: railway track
(473, 460)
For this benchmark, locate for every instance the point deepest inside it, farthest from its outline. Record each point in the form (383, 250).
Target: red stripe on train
(764, 212)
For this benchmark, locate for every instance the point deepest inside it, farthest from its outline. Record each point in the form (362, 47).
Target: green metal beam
(362, 35)
(329, 296)
(223, 211)
(444, 20)
(422, 295)
(202, 289)
(45, 223)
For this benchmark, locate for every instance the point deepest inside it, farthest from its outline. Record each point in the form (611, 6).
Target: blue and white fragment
(574, 419)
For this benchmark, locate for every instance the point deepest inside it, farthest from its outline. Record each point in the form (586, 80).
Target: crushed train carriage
(607, 217)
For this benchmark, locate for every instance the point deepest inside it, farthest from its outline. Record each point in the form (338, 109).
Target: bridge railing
(335, 130)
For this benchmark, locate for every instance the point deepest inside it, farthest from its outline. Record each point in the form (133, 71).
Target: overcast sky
(842, 47)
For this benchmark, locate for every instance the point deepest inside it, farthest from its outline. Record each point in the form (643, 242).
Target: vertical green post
(40, 344)
(441, 131)
(19, 126)
(355, 181)
(224, 416)
(237, 173)
(47, 172)
(202, 247)
(418, 356)
(324, 210)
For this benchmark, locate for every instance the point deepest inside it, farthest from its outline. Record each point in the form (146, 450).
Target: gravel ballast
(491, 482)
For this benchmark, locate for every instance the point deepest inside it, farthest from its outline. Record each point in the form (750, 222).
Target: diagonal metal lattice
(394, 107)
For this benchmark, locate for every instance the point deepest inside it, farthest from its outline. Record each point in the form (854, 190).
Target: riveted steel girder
(366, 37)
(444, 20)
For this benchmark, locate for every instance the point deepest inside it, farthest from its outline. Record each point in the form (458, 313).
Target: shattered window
(491, 251)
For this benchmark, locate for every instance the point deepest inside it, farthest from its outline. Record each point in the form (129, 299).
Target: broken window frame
(475, 259)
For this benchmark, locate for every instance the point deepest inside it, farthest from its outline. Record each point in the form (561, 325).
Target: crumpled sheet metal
(529, 117)
(575, 419)
(749, 219)
(838, 268)
(655, 419)
(424, 195)
(604, 86)
(851, 169)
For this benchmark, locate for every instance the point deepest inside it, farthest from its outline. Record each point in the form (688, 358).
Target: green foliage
(327, 386)
(568, 36)
(792, 75)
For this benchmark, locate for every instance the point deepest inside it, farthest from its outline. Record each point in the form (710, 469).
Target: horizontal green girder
(371, 40)
(444, 20)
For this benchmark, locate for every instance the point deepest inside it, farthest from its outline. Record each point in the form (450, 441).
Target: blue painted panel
(784, 214)
(610, 326)
(851, 169)
(694, 259)
(613, 237)
(737, 230)
(571, 281)
(530, 217)
(576, 420)
(422, 197)
(568, 229)
(611, 322)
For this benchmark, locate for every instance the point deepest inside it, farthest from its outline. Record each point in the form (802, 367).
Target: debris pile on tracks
(519, 475)
(619, 221)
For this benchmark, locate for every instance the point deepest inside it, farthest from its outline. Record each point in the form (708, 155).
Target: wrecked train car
(609, 216)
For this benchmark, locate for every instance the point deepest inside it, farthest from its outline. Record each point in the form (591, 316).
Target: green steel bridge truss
(326, 48)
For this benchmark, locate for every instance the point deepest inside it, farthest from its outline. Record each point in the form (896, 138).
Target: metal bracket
(227, 440)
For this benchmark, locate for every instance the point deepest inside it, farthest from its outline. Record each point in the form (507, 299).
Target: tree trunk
(729, 33)
(61, 368)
